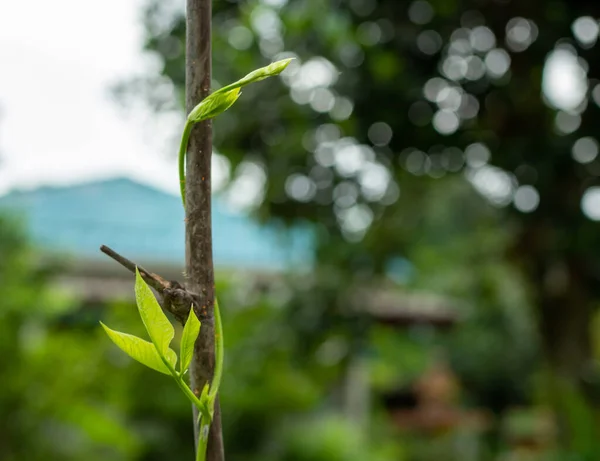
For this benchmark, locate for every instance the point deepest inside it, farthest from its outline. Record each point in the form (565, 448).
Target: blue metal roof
(145, 223)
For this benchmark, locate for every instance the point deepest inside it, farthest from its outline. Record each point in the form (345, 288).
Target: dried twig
(174, 297)
(154, 280)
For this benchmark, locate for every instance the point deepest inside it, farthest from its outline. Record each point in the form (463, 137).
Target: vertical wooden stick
(198, 233)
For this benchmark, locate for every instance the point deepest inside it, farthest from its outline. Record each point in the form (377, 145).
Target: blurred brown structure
(430, 405)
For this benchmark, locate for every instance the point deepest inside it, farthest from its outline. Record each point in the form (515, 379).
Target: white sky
(58, 124)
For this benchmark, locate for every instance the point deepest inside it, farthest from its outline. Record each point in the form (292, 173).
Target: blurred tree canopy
(389, 98)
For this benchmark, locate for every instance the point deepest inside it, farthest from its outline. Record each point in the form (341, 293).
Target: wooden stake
(198, 233)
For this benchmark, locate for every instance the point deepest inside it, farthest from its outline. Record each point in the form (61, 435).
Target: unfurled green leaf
(188, 338)
(141, 350)
(156, 322)
(271, 70)
(214, 105)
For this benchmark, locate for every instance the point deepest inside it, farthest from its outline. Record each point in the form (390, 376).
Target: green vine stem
(203, 442)
(208, 411)
(185, 137)
(219, 358)
(206, 403)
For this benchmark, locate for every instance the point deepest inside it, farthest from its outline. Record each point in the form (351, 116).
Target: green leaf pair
(222, 99)
(156, 354)
(217, 103)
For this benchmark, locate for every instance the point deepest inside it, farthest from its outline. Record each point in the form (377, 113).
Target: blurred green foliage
(68, 393)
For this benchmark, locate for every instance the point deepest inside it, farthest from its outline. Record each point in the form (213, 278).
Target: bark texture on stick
(198, 235)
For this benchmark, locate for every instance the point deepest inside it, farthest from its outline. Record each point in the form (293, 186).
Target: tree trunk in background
(565, 319)
(198, 231)
(357, 392)
(563, 298)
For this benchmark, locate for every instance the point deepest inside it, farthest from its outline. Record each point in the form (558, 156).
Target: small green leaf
(156, 322)
(271, 70)
(188, 338)
(208, 407)
(204, 393)
(213, 105)
(141, 350)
